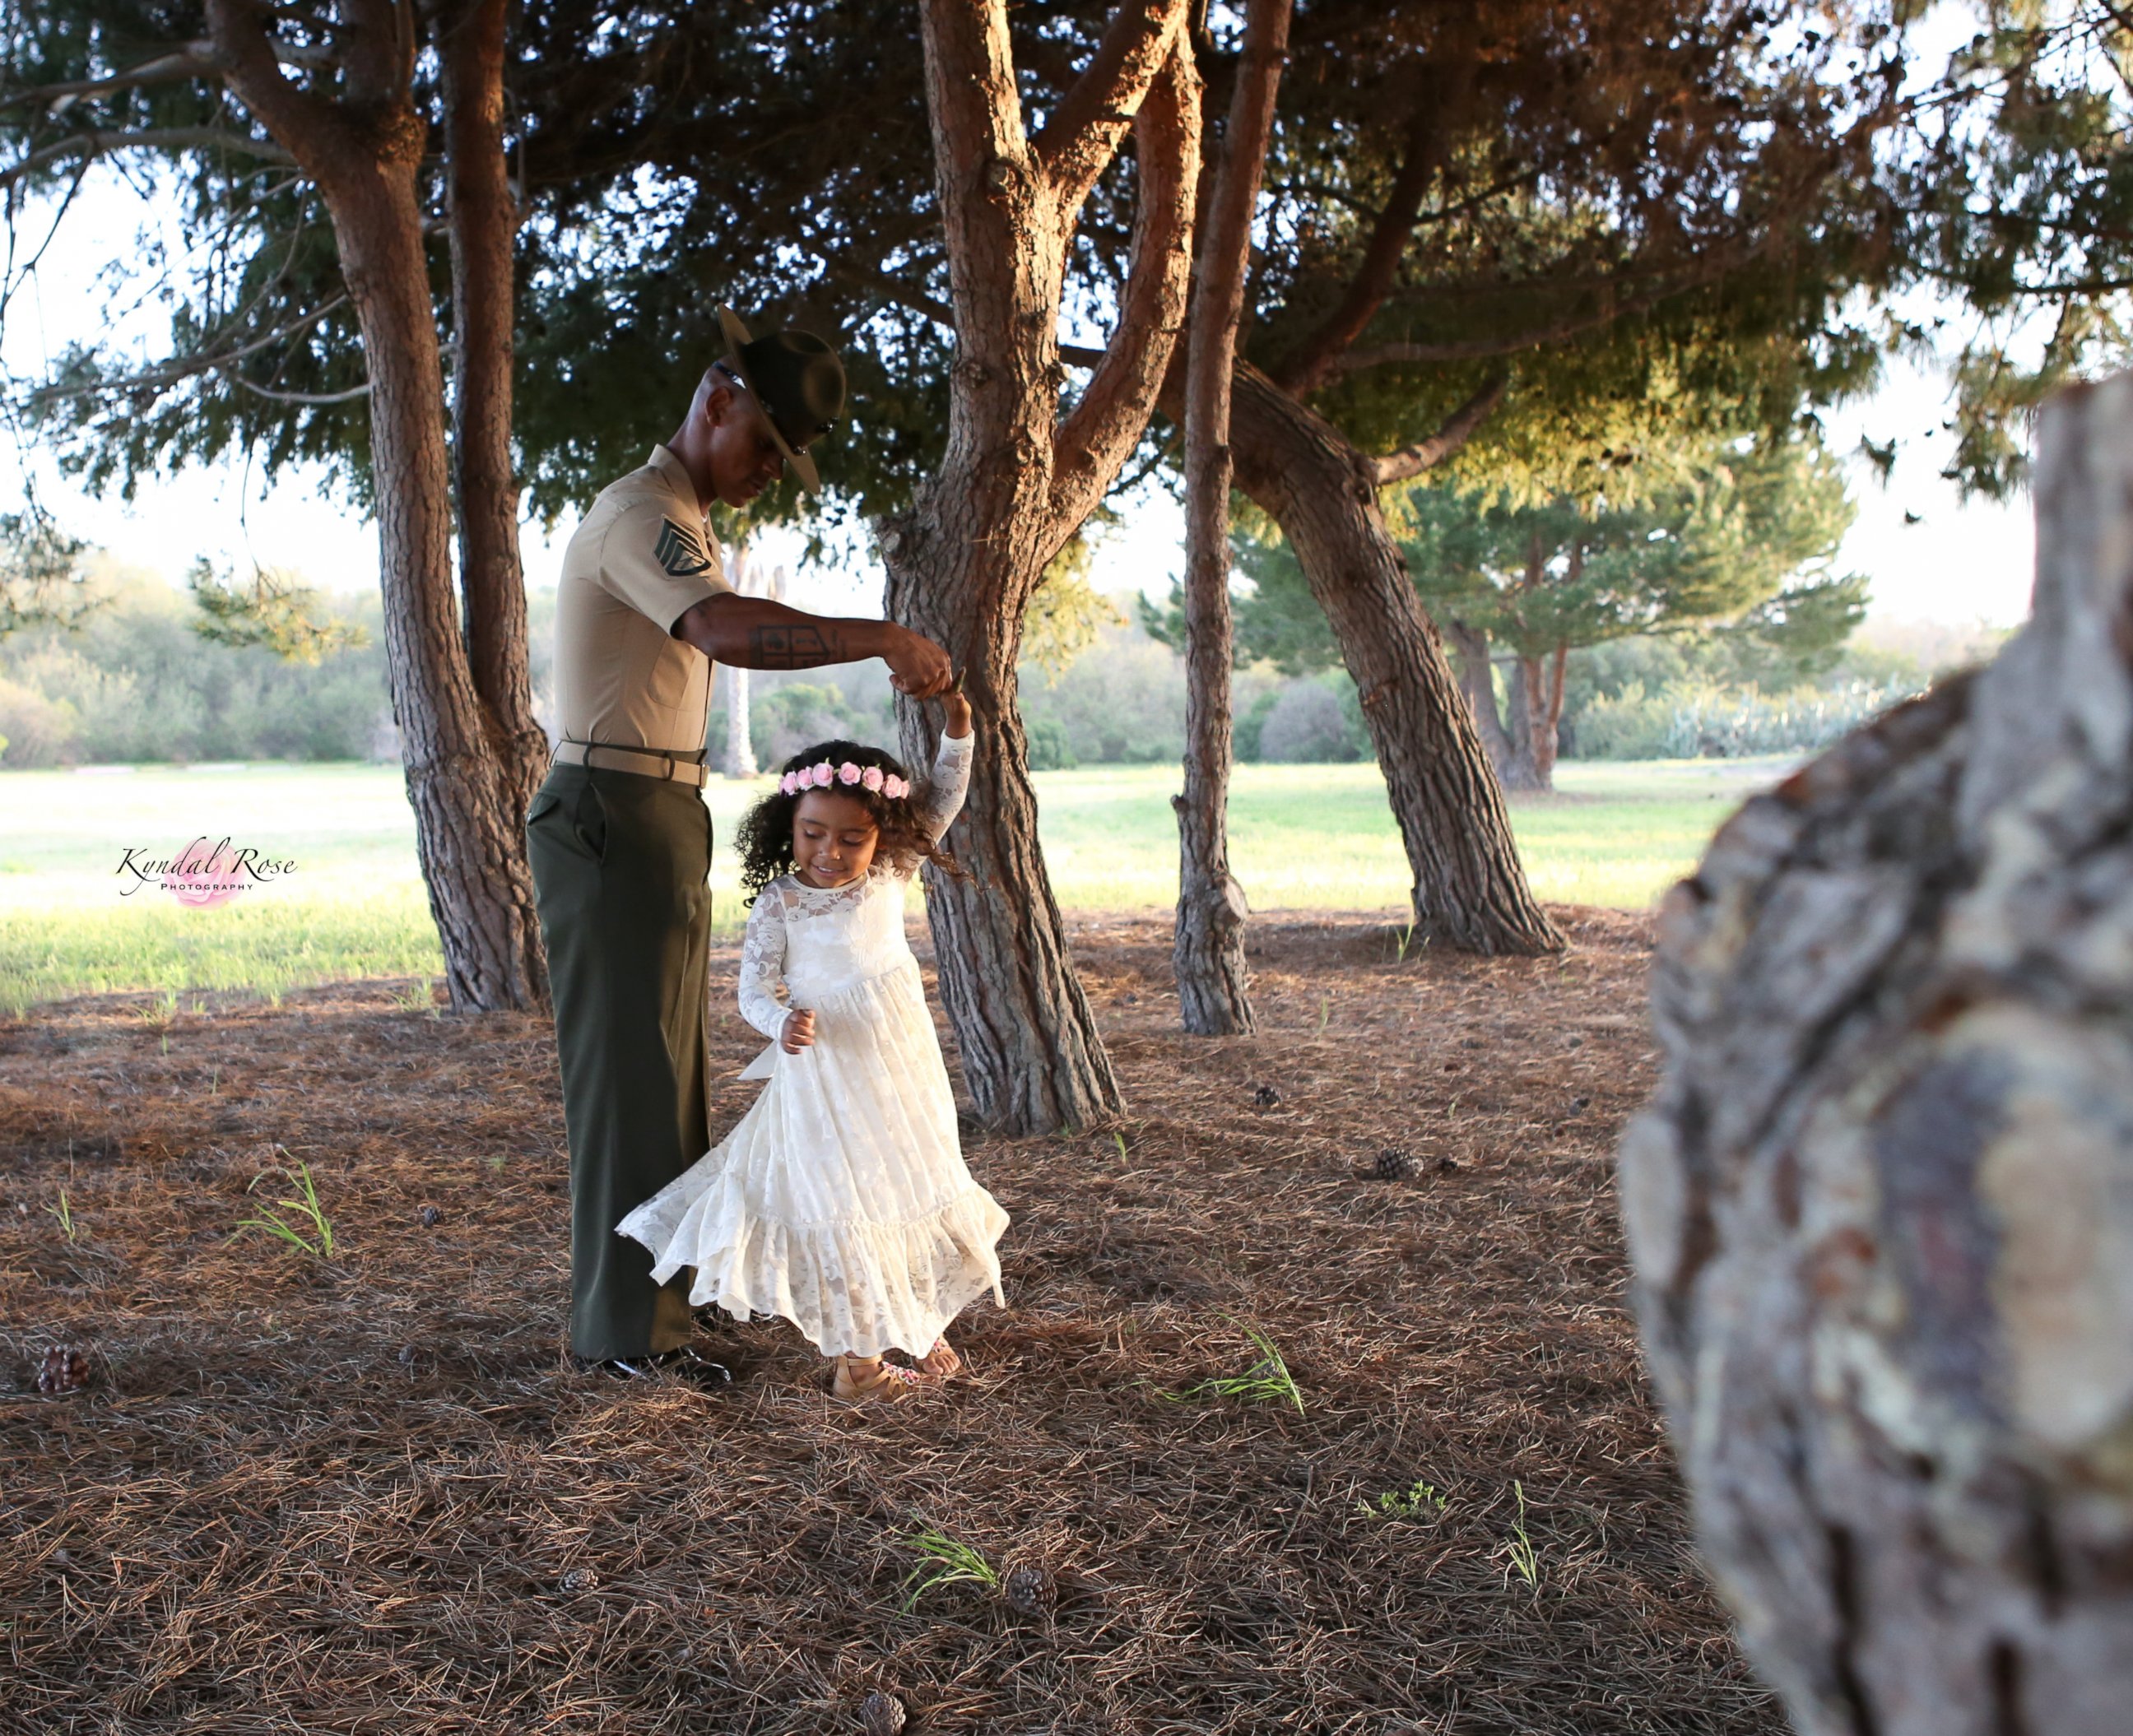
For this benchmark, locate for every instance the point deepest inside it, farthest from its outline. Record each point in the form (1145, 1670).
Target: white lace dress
(840, 1201)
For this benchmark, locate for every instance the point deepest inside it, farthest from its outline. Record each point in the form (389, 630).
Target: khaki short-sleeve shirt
(641, 558)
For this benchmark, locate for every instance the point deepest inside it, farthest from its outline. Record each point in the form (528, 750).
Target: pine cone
(1266, 1098)
(430, 1216)
(581, 1579)
(1394, 1164)
(63, 1370)
(1029, 1590)
(881, 1715)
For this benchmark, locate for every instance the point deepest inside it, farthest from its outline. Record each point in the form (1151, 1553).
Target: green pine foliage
(1641, 540)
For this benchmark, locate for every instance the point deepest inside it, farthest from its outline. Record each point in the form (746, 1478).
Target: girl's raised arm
(940, 799)
(763, 965)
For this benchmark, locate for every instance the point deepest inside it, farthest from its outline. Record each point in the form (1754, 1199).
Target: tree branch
(196, 59)
(1439, 95)
(192, 364)
(1083, 134)
(91, 145)
(298, 398)
(904, 294)
(1099, 431)
(248, 52)
(1454, 432)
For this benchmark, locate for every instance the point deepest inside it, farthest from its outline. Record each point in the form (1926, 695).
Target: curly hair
(766, 829)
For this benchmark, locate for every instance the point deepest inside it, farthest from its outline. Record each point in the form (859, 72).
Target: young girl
(840, 1201)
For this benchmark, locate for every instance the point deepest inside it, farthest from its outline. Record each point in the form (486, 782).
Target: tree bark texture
(1477, 681)
(483, 218)
(1880, 1209)
(1470, 891)
(1014, 483)
(1208, 952)
(365, 149)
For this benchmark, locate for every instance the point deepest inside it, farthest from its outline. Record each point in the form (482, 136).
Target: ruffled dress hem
(854, 1288)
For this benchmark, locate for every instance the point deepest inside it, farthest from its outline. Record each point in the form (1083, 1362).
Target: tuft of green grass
(1267, 1381)
(304, 1207)
(943, 1561)
(1520, 1555)
(1419, 1502)
(1118, 1139)
(1403, 939)
(63, 1212)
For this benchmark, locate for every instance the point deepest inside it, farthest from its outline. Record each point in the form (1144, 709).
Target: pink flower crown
(821, 775)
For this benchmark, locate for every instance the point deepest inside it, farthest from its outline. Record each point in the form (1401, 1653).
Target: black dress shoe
(683, 1365)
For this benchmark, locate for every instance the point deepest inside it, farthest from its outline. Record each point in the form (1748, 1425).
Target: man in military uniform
(619, 836)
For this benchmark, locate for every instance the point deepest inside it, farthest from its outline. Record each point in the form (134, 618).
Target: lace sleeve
(942, 799)
(763, 965)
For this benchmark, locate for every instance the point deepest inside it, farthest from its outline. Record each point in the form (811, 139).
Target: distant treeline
(137, 683)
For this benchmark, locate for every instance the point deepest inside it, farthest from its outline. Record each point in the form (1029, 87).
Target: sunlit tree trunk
(1469, 889)
(363, 148)
(1209, 950)
(482, 219)
(1016, 481)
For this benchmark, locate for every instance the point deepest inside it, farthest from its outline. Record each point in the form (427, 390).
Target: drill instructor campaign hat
(798, 381)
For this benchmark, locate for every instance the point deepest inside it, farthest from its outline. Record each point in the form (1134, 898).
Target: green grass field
(1302, 837)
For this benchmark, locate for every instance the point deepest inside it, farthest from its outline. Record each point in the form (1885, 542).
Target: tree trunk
(738, 759)
(1016, 481)
(1470, 891)
(364, 150)
(468, 835)
(1477, 681)
(484, 218)
(1552, 735)
(1540, 681)
(1880, 1209)
(1208, 952)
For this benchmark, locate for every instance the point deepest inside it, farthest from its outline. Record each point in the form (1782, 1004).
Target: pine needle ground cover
(1303, 838)
(366, 1492)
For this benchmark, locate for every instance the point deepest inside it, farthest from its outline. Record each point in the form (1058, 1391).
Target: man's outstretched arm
(753, 632)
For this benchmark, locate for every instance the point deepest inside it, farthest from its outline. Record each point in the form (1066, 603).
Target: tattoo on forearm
(794, 647)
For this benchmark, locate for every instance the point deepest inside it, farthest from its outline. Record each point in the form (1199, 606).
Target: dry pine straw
(371, 1495)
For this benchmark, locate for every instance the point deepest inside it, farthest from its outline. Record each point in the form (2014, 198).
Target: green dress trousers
(620, 864)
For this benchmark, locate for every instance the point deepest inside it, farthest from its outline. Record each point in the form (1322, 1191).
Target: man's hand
(917, 665)
(799, 1032)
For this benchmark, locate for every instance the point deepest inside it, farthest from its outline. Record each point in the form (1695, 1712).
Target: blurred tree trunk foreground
(1017, 480)
(1880, 1209)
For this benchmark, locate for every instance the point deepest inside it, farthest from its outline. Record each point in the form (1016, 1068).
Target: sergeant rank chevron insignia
(679, 551)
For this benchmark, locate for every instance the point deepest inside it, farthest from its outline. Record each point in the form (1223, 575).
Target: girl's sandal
(941, 1363)
(884, 1383)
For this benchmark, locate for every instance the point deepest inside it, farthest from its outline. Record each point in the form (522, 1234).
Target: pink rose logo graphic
(205, 874)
